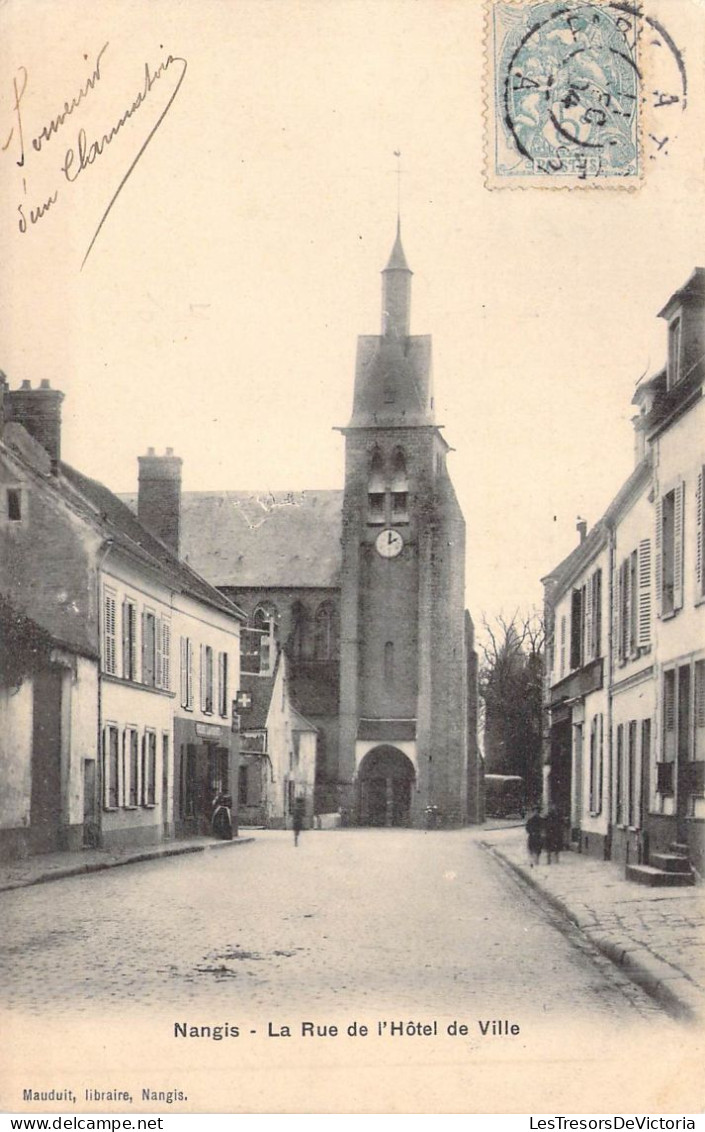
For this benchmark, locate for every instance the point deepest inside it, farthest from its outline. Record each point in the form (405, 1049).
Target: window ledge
(131, 807)
(111, 678)
(148, 806)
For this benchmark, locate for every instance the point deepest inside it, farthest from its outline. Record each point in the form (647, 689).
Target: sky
(218, 308)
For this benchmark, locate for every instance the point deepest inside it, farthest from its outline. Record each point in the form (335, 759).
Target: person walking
(299, 814)
(534, 829)
(552, 834)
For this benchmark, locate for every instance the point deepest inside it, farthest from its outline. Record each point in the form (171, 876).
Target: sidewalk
(655, 935)
(55, 866)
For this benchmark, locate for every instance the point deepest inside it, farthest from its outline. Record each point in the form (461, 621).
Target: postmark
(579, 94)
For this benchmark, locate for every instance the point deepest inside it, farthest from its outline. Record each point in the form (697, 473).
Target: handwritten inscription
(84, 151)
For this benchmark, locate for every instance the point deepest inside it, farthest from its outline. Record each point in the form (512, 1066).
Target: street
(424, 924)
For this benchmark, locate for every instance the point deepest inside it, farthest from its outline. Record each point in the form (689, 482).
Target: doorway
(385, 781)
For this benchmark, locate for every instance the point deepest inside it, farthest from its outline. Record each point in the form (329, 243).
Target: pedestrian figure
(221, 820)
(534, 828)
(552, 834)
(299, 813)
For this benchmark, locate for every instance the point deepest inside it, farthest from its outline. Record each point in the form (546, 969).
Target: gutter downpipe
(608, 682)
(105, 551)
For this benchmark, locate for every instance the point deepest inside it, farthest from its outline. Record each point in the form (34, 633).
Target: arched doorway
(385, 780)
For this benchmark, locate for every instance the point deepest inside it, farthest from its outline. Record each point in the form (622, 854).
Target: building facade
(101, 746)
(625, 682)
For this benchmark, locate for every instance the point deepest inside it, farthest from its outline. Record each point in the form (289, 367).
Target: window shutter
(126, 671)
(600, 764)
(658, 556)
(597, 613)
(616, 618)
(133, 641)
(106, 769)
(699, 532)
(644, 623)
(669, 716)
(109, 625)
(158, 651)
(184, 680)
(166, 656)
(588, 643)
(678, 517)
(202, 652)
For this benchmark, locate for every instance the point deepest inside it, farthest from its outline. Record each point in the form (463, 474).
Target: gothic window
(257, 642)
(297, 637)
(400, 489)
(324, 629)
(376, 489)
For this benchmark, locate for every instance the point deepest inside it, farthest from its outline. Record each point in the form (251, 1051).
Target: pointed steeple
(396, 292)
(393, 383)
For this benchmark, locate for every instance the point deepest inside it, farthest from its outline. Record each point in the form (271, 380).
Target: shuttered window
(669, 543)
(669, 715)
(149, 648)
(111, 767)
(619, 784)
(149, 768)
(163, 654)
(644, 629)
(186, 672)
(129, 640)
(596, 763)
(132, 764)
(206, 678)
(223, 684)
(576, 628)
(109, 631)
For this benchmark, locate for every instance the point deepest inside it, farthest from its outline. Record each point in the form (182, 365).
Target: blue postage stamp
(565, 97)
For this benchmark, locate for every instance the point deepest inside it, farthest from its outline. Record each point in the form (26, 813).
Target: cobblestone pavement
(428, 923)
(656, 935)
(56, 866)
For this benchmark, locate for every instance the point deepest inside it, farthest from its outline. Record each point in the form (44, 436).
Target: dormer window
(674, 350)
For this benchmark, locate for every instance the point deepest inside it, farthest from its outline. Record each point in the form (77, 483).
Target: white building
(117, 730)
(625, 687)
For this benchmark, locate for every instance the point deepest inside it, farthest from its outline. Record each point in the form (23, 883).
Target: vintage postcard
(352, 556)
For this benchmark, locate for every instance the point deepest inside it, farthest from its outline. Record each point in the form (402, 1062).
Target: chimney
(581, 528)
(159, 498)
(39, 412)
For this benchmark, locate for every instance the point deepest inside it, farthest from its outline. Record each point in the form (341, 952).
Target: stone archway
(384, 784)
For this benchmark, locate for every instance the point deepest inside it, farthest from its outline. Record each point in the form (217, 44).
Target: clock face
(389, 543)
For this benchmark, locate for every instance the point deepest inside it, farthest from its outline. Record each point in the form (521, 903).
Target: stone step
(680, 848)
(647, 874)
(670, 862)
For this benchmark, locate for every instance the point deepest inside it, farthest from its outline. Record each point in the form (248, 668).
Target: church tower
(405, 703)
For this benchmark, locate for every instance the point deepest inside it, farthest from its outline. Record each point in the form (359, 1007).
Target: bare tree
(510, 685)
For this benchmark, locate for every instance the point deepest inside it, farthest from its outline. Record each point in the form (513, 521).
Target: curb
(652, 974)
(83, 869)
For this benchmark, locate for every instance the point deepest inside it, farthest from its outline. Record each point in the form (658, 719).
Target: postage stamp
(566, 92)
